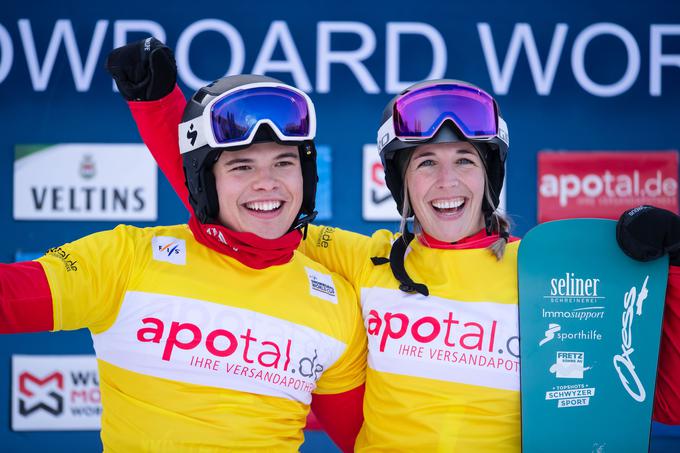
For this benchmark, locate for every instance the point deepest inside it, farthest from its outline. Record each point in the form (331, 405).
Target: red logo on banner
(604, 184)
(57, 399)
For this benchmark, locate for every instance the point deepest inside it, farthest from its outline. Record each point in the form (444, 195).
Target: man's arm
(146, 74)
(25, 298)
(157, 123)
(342, 430)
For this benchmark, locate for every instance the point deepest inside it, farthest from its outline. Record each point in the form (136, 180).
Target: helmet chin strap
(488, 219)
(396, 260)
(302, 223)
(398, 254)
(488, 226)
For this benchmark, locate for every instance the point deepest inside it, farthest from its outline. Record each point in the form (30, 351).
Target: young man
(216, 334)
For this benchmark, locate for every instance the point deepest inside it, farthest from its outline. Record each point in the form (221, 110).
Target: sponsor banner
(555, 332)
(84, 181)
(590, 324)
(469, 343)
(604, 184)
(55, 393)
(570, 392)
(497, 43)
(377, 203)
(210, 344)
(569, 364)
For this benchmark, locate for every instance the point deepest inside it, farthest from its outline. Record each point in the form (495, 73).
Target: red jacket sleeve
(157, 122)
(25, 298)
(667, 394)
(341, 415)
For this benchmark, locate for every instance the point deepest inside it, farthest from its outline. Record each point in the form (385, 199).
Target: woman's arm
(645, 233)
(667, 394)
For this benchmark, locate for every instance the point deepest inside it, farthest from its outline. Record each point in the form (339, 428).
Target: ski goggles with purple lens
(418, 114)
(233, 118)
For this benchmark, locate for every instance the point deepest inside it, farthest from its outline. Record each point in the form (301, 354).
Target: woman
(440, 305)
(438, 308)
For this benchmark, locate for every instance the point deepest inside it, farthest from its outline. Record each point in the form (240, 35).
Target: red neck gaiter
(476, 241)
(248, 248)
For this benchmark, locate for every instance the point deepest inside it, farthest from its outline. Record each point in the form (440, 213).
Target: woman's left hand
(646, 233)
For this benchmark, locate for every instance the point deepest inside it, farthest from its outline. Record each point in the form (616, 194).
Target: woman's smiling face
(446, 188)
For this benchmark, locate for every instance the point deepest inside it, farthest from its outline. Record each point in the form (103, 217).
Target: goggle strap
(191, 135)
(503, 131)
(386, 133)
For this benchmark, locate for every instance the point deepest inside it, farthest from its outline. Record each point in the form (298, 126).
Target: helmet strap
(488, 226)
(302, 222)
(488, 221)
(397, 255)
(310, 177)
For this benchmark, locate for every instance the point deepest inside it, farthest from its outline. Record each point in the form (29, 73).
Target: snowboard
(590, 327)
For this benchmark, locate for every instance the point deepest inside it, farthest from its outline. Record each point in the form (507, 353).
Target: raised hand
(144, 70)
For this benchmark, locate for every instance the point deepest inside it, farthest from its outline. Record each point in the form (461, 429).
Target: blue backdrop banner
(574, 75)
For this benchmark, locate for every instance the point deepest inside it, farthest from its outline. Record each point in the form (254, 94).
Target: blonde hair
(497, 222)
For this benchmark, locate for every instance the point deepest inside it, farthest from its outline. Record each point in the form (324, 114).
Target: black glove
(646, 233)
(144, 70)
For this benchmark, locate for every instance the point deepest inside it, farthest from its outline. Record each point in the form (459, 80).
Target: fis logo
(37, 394)
(169, 249)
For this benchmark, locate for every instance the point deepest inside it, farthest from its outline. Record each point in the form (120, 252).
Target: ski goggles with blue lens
(233, 118)
(418, 114)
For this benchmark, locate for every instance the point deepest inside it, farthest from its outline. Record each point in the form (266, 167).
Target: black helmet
(200, 151)
(394, 152)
